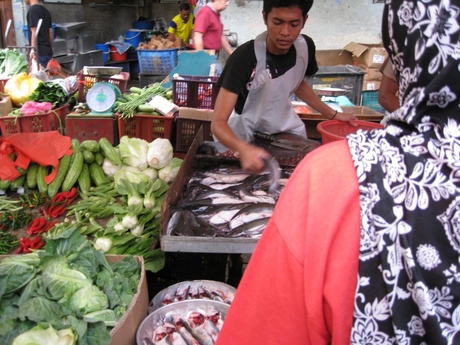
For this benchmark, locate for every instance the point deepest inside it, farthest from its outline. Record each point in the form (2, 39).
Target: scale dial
(101, 97)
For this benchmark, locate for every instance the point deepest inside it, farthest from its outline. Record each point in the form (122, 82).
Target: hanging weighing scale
(101, 98)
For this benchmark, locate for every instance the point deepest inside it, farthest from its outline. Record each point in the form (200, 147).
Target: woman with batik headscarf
(364, 243)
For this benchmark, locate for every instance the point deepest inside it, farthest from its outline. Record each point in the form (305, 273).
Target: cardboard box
(370, 85)
(370, 55)
(124, 332)
(5, 106)
(372, 74)
(333, 57)
(197, 114)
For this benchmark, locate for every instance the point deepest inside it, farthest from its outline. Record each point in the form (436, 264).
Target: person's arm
(226, 46)
(306, 94)
(250, 155)
(33, 42)
(387, 94)
(198, 40)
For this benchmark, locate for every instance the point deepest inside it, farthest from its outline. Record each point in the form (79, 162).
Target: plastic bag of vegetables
(20, 88)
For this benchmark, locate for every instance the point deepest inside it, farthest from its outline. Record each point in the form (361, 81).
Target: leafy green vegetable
(50, 92)
(67, 285)
(12, 62)
(41, 336)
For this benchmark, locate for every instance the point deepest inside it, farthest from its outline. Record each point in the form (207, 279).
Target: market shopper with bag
(43, 40)
(259, 79)
(363, 245)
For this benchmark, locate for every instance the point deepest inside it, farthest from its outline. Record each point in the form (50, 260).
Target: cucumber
(76, 166)
(84, 180)
(109, 151)
(134, 89)
(41, 174)
(99, 158)
(4, 185)
(97, 174)
(19, 182)
(55, 185)
(88, 156)
(31, 176)
(90, 145)
(146, 108)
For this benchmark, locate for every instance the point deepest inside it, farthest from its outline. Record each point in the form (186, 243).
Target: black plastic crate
(186, 130)
(347, 77)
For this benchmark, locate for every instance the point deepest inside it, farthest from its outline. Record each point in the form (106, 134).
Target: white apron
(267, 108)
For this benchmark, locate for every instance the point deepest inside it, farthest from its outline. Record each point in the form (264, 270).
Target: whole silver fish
(250, 213)
(251, 229)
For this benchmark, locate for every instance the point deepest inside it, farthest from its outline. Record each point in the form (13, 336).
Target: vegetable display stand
(195, 91)
(51, 121)
(85, 82)
(85, 127)
(147, 127)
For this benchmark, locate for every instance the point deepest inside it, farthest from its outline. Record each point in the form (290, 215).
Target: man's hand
(251, 158)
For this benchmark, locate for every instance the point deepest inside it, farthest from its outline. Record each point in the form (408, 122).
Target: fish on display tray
(193, 289)
(194, 322)
(225, 202)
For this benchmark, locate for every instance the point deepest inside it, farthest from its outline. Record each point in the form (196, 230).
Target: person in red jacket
(363, 246)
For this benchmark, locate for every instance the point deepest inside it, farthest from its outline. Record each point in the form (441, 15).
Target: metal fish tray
(155, 319)
(157, 300)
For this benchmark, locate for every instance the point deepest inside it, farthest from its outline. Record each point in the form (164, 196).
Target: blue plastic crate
(371, 100)
(157, 61)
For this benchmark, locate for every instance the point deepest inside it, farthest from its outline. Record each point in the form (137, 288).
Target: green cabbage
(88, 300)
(40, 336)
(133, 152)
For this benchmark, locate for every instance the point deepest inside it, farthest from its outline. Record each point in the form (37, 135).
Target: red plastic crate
(51, 121)
(186, 130)
(85, 82)
(147, 127)
(195, 91)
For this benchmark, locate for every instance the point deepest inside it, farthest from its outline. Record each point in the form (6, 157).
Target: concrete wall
(331, 23)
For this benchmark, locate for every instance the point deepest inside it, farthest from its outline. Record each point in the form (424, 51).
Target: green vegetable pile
(49, 92)
(69, 287)
(12, 62)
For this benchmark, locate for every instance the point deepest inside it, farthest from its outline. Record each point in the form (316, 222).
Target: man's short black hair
(304, 5)
(184, 7)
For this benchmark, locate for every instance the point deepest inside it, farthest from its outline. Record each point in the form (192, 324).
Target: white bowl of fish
(196, 321)
(193, 289)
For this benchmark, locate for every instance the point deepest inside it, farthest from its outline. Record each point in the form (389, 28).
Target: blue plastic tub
(133, 37)
(105, 50)
(144, 24)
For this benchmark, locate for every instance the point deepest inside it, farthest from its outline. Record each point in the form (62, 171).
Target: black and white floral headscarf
(409, 173)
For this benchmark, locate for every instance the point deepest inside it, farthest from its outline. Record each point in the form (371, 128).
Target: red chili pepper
(37, 225)
(58, 211)
(28, 243)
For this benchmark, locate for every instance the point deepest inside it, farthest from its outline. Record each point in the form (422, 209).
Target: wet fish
(174, 337)
(184, 223)
(251, 229)
(182, 330)
(250, 213)
(224, 177)
(261, 198)
(211, 329)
